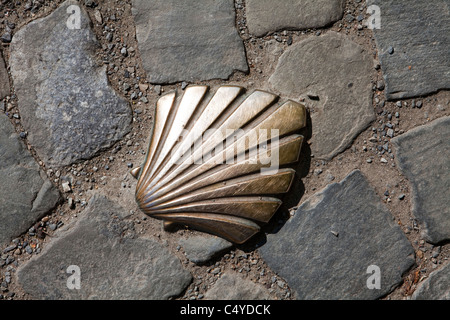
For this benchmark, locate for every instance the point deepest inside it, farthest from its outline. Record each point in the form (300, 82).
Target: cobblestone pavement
(367, 216)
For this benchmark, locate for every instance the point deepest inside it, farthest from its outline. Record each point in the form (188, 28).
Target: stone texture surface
(336, 72)
(423, 155)
(25, 193)
(65, 102)
(200, 249)
(4, 80)
(436, 287)
(419, 33)
(324, 250)
(265, 16)
(111, 266)
(232, 286)
(188, 40)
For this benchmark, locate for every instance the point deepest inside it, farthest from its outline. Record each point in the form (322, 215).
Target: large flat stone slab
(423, 155)
(25, 193)
(335, 71)
(324, 251)
(66, 103)
(188, 40)
(111, 266)
(436, 287)
(264, 16)
(4, 80)
(419, 34)
(232, 286)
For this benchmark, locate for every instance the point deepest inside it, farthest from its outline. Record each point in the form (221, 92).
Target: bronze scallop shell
(210, 161)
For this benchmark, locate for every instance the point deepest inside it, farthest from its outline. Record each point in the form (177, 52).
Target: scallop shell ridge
(217, 160)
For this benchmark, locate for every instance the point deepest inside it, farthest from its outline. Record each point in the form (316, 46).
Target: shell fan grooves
(217, 160)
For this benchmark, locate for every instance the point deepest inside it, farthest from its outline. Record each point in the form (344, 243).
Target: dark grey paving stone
(419, 34)
(324, 251)
(436, 287)
(200, 249)
(264, 16)
(66, 104)
(26, 194)
(423, 156)
(111, 266)
(188, 40)
(4, 80)
(232, 286)
(335, 71)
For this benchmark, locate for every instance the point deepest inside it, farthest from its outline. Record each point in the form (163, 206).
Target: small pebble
(144, 99)
(330, 177)
(28, 249)
(435, 252)
(71, 203)
(390, 133)
(98, 16)
(215, 271)
(10, 248)
(349, 18)
(66, 187)
(380, 85)
(143, 87)
(9, 259)
(6, 37)
(289, 41)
